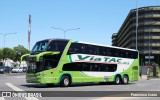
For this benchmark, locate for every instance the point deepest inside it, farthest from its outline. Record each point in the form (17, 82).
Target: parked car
(5, 69)
(24, 69)
(17, 70)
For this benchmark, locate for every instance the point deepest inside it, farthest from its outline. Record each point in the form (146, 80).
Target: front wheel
(65, 81)
(117, 80)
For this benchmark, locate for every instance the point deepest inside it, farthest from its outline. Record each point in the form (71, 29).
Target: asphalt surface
(16, 82)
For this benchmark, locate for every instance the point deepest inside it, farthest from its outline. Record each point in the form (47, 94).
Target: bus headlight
(39, 75)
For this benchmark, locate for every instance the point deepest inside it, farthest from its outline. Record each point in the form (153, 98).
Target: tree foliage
(13, 54)
(1, 54)
(8, 53)
(20, 50)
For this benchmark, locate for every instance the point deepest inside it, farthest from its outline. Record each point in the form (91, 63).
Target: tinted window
(122, 53)
(78, 66)
(39, 47)
(103, 51)
(86, 67)
(90, 67)
(49, 64)
(110, 67)
(57, 46)
(90, 49)
(75, 48)
(117, 53)
(109, 52)
(114, 52)
(70, 67)
(127, 54)
(135, 54)
(96, 67)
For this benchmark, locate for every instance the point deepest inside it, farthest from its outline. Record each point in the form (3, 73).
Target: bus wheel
(65, 81)
(117, 80)
(125, 80)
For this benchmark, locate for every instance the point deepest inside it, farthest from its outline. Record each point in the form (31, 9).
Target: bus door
(135, 73)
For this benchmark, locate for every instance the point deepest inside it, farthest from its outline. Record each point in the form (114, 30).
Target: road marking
(18, 89)
(2, 98)
(16, 77)
(13, 87)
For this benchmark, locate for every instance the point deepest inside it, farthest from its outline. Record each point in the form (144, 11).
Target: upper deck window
(56, 45)
(40, 47)
(76, 48)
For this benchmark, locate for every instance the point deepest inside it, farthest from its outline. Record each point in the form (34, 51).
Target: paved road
(16, 82)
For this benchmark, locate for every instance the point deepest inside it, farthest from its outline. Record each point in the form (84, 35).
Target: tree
(8, 53)
(1, 54)
(1, 57)
(13, 54)
(20, 50)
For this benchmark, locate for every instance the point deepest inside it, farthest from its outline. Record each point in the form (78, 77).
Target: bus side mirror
(23, 57)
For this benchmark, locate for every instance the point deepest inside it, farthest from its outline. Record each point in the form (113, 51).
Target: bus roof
(88, 43)
(54, 39)
(106, 46)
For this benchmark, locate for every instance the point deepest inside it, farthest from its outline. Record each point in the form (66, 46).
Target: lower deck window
(97, 67)
(49, 64)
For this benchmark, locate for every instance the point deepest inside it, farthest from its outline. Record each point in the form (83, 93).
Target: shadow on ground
(29, 85)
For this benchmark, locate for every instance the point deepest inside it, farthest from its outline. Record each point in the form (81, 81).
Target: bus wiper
(35, 52)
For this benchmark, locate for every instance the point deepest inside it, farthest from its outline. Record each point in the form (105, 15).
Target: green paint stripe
(133, 62)
(70, 58)
(83, 73)
(76, 41)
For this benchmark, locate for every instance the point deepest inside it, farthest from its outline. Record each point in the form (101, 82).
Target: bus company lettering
(81, 57)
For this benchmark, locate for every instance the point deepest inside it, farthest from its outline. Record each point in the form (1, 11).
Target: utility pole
(29, 32)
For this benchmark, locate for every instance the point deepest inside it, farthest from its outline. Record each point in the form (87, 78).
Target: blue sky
(97, 19)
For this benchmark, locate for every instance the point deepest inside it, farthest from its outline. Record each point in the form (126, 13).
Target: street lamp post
(4, 36)
(64, 31)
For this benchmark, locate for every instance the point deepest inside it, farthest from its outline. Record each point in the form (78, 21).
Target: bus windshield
(39, 47)
(48, 62)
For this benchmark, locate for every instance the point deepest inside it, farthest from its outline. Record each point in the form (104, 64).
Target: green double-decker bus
(62, 61)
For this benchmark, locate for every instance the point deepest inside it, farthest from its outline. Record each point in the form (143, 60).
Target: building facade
(148, 34)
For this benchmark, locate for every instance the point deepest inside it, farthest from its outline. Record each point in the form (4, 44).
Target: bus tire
(125, 79)
(117, 80)
(65, 81)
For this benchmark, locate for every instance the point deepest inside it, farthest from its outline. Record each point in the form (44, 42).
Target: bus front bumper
(32, 78)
